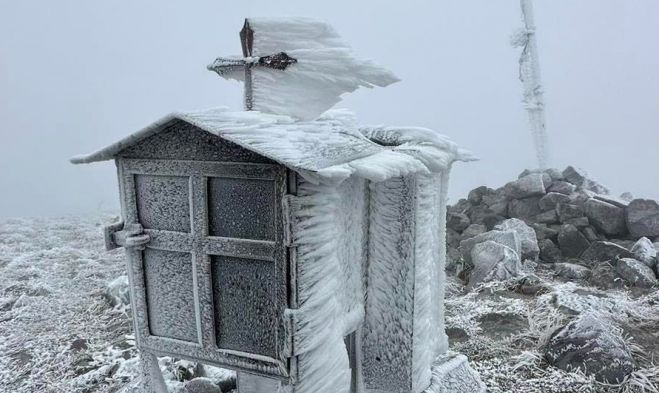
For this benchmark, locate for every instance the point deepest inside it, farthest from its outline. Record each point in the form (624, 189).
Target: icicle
(529, 74)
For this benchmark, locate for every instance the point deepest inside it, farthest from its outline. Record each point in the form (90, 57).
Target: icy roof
(326, 67)
(332, 147)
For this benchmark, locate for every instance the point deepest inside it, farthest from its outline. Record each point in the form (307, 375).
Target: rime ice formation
(529, 74)
(285, 244)
(325, 68)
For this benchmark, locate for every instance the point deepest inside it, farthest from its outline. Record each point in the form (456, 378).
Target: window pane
(163, 202)
(241, 208)
(245, 305)
(169, 293)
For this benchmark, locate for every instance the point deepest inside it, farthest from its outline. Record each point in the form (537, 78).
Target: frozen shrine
(287, 242)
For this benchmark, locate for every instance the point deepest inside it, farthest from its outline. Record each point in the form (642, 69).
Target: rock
(526, 235)
(568, 211)
(572, 242)
(593, 345)
(524, 209)
(475, 196)
(604, 276)
(627, 197)
(493, 261)
(549, 251)
(499, 208)
(548, 217)
(607, 218)
(601, 251)
(201, 385)
(477, 214)
(580, 178)
(572, 271)
(532, 285)
(118, 292)
(473, 230)
(457, 221)
(507, 238)
(453, 238)
(590, 233)
(542, 232)
(643, 218)
(579, 222)
(636, 272)
(562, 187)
(645, 252)
(462, 206)
(527, 186)
(551, 200)
(611, 200)
(499, 325)
(494, 197)
(493, 220)
(626, 244)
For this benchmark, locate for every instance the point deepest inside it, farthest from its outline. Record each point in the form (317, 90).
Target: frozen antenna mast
(529, 74)
(297, 67)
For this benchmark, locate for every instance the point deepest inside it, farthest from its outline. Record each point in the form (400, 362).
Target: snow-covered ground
(58, 333)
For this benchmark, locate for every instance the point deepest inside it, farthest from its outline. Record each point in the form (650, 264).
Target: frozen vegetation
(65, 325)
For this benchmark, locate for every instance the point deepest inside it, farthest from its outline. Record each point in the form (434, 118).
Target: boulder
(457, 221)
(475, 196)
(526, 235)
(636, 272)
(645, 252)
(453, 238)
(524, 209)
(499, 208)
(549, 251)
(579, 222)
(118, 292)
(590, 233)
(542, 231)
(461, 206)
(473, 230)
(492, 221)
(567, 211)
(201, 385)
(548, 217)
(610, 199)
(572, 242)
(604, 276)
(493, 261)
(606, 217)
(562, 187)
(492, 197)
(507, 238)
(478, 213)
(601, 251)
(592, 344)
(572, 271)
(580, 178)
(643, 218)
(551, 200)
(524, 187)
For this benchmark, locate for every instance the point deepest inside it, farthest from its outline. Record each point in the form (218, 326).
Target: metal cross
(223, 66)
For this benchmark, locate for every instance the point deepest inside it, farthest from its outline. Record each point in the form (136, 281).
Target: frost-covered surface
(58, 330)
(503, 332)
(325, 69)
(332, 147)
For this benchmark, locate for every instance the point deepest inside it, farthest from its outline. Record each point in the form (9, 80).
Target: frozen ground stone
(507, 238)
(548, 217)
(636, 272)
(549, 251)
(473, 230)
(493, 261)
(568, 211)
(572, 271)
(593, 345)
(572, 242)
(552, 199)
(524, 209)
(601, 251)
(526, 235)
(562, 187)
(118, 292)
(645, 252)
(457, 221)
(201, 385)
(606, 217)
(580, 178)
(524, 187)
(643, 218)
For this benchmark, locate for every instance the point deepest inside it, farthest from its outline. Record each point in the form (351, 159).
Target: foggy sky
(78, 75)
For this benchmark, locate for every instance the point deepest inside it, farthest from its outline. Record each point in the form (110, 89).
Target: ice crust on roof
(331, 148)
(326, 68)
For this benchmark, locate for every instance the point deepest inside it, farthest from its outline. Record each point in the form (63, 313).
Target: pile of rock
(555, 217)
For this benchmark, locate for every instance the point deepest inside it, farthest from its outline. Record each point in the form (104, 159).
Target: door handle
(120, 234)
